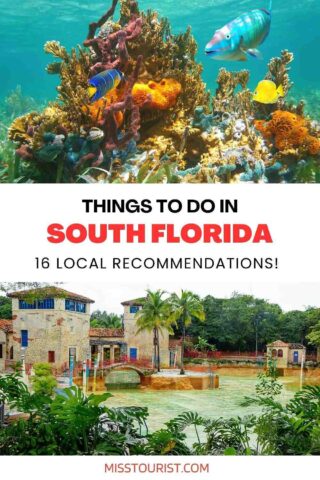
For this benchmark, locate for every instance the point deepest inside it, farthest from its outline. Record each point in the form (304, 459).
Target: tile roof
(297, 346)
(106, 332)
(6, 325)
(278, 343)
(136, 301)
(49, 292)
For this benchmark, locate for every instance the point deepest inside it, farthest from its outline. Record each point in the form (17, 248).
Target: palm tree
(183, 308)
(105, 320)
(153, 317)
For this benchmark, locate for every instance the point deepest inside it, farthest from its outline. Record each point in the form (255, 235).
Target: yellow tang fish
(267, 92)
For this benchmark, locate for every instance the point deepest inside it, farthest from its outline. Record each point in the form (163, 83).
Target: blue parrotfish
(103, 82)
(240, 38)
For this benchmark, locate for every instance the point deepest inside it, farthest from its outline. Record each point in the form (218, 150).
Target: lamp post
(96, 365)
(71, 369)
(84, 376)
(301, 370)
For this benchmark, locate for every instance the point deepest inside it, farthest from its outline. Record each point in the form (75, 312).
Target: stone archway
(123, 377)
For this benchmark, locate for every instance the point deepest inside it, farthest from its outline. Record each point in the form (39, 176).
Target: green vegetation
(12, 170)
(234, 324)
(43, 381)
(183, 309)
(241, 323)
(159, 314)
(102, 319)
(5, 308)
(314, 334)
(70, 423)
(154, 316)
(204, 346)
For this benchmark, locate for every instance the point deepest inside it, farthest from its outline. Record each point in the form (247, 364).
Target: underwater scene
(192, 91)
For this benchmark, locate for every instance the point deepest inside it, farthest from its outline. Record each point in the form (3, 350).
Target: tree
(15, 286)
(237, 322)
(154, 317)
(294, 326)
(183, 308)
(5, 308)
(314, 321)
(103, 319)
(204, 346)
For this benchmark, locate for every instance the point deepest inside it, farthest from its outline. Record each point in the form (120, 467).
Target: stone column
(100, 353)
(112, 353)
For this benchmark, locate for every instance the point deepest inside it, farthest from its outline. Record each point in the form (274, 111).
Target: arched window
(11, 353)
(280, 353)
(274, 353)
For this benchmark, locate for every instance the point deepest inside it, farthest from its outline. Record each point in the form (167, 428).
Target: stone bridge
(141, 371)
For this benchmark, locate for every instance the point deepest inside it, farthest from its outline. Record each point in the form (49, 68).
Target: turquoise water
(25, 25)
(224, 402)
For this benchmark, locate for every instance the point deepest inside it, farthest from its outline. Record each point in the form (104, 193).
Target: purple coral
(111, 51)
(109, 123)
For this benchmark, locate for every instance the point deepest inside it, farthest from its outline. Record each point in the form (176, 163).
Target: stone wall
(282, 362)
(54, 330)
(144, 340)
(3, 343)
(300, 354)
(183, 382)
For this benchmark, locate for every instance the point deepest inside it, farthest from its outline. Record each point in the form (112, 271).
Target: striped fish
(103, 82)
(241, 37)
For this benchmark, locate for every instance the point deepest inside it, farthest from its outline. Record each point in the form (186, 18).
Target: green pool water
(223, 402)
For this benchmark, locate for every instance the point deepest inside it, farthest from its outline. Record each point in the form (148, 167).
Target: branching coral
(111, 49)
(73, 69)
(226, 98)
(278, 70)
(166, 55)
(288, 130)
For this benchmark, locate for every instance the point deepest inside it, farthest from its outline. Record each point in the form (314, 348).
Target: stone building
(109, 343)
(141, 345)
(51, 325)
(6, 348)
(286, 353)
(115, 344)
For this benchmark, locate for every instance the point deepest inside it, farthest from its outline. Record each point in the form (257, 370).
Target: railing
(223, 355)
(103, 365)
(312, 357)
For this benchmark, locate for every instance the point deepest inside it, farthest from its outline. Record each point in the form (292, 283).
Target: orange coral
(313, 145)
(288, 130)
(160, 96)
(96, 109)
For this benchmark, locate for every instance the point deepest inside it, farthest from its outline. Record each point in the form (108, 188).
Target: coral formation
(159, 96)
(288, 131)
(159, 124)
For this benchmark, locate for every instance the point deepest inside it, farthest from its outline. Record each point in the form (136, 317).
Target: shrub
(43, 381)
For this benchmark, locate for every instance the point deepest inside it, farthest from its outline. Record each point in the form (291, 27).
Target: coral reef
(160, 124)
(159, 96)
(287, 131)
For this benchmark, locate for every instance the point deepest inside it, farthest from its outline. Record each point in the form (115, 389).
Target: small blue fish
(103, 82)
(241, 37)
